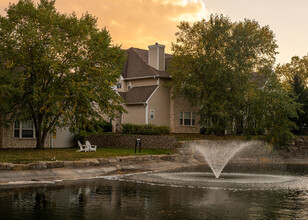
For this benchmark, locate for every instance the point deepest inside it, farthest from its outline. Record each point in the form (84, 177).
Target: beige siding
(10, 142)
(156, 57)
(161, 59)
(135, 114)
(144, 82)
(167, 110)
(178, 105)
(153, 57)
(159, 102)
(63, 138)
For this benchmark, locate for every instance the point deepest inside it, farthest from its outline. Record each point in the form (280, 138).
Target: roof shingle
(138, 95)
(137, 65)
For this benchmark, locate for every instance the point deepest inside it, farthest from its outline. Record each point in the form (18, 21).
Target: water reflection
(110, 199)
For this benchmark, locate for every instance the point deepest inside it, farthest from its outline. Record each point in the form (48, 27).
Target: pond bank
(55, 172)
(41, 165)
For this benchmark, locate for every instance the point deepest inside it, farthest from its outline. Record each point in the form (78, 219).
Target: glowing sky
(139, 23)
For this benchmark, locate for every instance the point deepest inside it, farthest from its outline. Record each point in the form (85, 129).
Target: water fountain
(218, 153)
(249, 164)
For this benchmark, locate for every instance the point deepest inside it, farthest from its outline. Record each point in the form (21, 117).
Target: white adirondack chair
(90, 147)
(82, 147)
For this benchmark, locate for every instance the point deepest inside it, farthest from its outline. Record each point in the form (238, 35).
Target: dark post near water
(138, 144)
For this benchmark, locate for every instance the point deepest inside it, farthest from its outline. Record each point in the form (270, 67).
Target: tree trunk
(40, 136)
(40, 140)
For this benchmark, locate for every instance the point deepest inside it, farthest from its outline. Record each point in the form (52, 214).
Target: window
(152, 113)
(24, 129)
(119, 85)
(187, 118)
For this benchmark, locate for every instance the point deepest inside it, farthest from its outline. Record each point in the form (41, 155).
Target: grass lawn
(19, 156)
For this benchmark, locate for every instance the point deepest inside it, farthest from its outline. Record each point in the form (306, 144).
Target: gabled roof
(137, 65)
(138, 95)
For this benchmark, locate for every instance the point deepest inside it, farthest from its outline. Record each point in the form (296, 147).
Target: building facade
(147, 98)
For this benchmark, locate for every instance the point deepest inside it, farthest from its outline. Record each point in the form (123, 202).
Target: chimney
(156, 56)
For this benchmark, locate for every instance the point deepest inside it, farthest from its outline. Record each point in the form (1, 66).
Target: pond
(135, 197)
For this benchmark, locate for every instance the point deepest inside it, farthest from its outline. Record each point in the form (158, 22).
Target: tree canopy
(56, 69)
(294, 78)
(226, 68)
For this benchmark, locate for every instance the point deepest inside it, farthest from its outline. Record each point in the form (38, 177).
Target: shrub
(145, 129)
(80, 136)
(94, 127)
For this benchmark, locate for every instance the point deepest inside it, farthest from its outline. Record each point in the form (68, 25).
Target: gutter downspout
(147, 107)
(146, 113)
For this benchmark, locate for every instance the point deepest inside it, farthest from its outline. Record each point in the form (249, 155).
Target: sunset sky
(139, 23)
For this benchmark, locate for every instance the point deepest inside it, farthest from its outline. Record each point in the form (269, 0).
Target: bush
(80, 136)
(145, 129)
(94, 127)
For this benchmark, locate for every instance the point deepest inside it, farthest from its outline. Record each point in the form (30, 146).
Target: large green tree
(222, 67)
(56, 69)
(268, 109)
(294, 77)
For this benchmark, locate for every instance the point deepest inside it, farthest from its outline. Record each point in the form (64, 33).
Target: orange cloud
(135, 23)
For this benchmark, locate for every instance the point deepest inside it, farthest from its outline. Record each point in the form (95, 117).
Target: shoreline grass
(24, 156)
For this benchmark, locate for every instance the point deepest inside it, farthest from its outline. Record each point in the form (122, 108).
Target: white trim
(135, 103)
(144, 77)
(146, 114)
(147, 107)
(151, 95)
